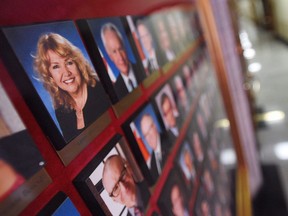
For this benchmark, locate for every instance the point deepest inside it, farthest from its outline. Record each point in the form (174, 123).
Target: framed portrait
(59, 205)
(169, 55)
(196, 143)
(111, 45)
(208, 180)
(145, 42)
(184, 31)
(22, 173)
(205, 107)
(148, 141)
(201, 125)
(187, 73)
(59, 83)
(174, 199)
(175, 30)
(203, 206)
(169, 112)
(111, 180)
(182, 98)
(186, 163)
(213, 159)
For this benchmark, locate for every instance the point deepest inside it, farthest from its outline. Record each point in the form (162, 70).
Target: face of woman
(65, 73)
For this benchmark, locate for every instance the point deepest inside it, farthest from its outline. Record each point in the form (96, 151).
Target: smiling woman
(71, 82)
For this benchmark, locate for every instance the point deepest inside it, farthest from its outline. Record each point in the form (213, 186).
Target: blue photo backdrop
(95, 26)
(23, 40)
(150, 111)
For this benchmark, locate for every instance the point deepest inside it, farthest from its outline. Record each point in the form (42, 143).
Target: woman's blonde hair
(65, 49)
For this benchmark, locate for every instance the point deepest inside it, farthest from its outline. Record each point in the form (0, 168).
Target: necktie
(131, 83)
(153, 65)
(137, 211)
(154, 169)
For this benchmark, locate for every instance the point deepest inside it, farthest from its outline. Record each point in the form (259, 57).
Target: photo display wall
(146, 86)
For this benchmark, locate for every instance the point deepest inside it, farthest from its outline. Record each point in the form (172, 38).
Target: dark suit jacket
(120, 87)
(165, 147)
(165, 151)
(97, 103)
(142, 196)
(20, 151)
(170, 135)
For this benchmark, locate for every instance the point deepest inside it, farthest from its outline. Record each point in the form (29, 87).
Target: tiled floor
(272, 55)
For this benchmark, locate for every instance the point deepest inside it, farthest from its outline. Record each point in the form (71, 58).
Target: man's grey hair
(110, 27)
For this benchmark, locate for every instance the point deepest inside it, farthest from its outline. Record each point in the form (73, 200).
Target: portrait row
(70, 73)
(151, 131)
(114, 182)
(150, 141)
(111, 181)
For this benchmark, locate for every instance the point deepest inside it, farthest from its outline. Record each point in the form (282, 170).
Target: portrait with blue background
(23, 40)
(67, 208)
(150, 111)
(95, 26)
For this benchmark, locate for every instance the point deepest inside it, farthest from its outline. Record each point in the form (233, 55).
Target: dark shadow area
(270, 200)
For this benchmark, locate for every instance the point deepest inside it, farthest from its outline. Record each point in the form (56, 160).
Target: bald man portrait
(129, 77)
(118, 181)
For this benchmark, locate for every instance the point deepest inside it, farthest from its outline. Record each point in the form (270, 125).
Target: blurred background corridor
(263, 33)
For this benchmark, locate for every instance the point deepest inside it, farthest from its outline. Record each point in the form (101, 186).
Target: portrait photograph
(183, 100)
(112, 180)
(21, 163)
(187, 73)
(196, 143)
(59, 205)
(59, 81)
(148, 137)
(124, 70)
(174, 199)
(213, 160)
(205, 107)
(207, 180)
(164, 40)
(169, 112)
(186, 163)
(147, 46)
(175, 30)
(201, 124)
(203, 206)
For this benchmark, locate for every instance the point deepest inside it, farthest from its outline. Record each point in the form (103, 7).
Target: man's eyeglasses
(116, 189)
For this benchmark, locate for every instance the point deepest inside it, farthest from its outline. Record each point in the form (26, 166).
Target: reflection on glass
(281, 150)
(228, 157)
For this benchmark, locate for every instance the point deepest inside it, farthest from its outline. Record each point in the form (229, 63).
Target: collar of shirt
(170, 55)
(158, 151)
(175, 131)
(130, 76)
(152, 59)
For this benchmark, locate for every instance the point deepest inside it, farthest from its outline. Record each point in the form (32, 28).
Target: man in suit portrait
(171, 120)
(178, 201)
(197, 147)
(153, 56)
(183, 102)
(158, 143)
(164, 41)
(188, 168)
(128, 78)
(118, 181)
